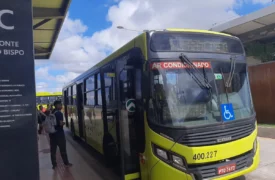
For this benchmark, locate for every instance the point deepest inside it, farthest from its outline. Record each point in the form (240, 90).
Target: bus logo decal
(131, 105)
(224, 139)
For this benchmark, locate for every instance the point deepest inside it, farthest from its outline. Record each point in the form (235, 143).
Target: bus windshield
(178, 100)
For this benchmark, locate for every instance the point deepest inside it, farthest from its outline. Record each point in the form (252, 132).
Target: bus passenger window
(89, 94)
(98, 91)
(123, 85)
(109, 83)
(99, 97)
(74, 95)
(90, 98)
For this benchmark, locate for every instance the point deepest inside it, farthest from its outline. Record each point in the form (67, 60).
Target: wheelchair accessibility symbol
(227, 112)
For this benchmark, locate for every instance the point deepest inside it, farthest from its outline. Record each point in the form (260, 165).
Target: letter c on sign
(2, 12)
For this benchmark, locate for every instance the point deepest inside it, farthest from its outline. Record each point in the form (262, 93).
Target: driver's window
(159, 87)
(126, 85)
(123, 85)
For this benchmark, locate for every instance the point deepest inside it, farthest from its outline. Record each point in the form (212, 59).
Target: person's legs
(53, 147)
(62, 148)
(40, 128)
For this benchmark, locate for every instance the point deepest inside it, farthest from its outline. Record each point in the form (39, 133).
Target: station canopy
(48, 18)
(258, 26)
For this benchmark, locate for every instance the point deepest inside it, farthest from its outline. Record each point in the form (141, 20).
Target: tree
(264, 52)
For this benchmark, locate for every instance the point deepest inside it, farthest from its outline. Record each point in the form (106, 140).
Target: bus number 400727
(207, 155)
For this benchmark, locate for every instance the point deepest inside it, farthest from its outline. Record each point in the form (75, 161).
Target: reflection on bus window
(52, 99)
(179, 101)
(38, 100)
(44, 100)
(239, 92)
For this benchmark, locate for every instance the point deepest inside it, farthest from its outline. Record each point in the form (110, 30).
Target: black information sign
(18, 130)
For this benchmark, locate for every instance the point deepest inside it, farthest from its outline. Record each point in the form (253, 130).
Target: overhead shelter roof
(48, 17)
(257, 26)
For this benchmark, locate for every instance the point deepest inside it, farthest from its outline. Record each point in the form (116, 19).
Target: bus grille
(211, 137)
(210, 170)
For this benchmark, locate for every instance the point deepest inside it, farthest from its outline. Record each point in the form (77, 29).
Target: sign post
(18, 127)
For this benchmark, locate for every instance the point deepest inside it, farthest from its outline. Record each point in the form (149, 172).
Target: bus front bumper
(163, 171)
(256, 161)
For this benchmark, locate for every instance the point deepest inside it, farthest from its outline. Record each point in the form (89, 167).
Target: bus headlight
(177, 160)
(162, 153)
(170, 158)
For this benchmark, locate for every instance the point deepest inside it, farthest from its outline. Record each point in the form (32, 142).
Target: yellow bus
(45, 98)
(173, 104)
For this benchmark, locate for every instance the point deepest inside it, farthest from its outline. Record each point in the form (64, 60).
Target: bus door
(110, 115)
(79, 107)
(65, 104)
(129, 87)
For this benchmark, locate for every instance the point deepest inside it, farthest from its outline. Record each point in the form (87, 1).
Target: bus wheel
(110, 150)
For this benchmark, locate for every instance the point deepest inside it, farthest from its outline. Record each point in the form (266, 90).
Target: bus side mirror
(145, 85)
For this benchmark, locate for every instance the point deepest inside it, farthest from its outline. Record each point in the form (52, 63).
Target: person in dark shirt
(58, 138)
(41, 118)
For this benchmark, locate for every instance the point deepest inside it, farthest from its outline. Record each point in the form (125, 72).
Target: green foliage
(264, 52)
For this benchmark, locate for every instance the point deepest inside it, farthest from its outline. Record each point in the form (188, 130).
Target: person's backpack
(50, 123)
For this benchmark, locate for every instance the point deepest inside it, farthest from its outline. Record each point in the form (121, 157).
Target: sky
(89, 32)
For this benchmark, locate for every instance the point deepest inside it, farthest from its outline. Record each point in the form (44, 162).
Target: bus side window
(123, 86)
(109, 84)
(89, 91)
(69, 96)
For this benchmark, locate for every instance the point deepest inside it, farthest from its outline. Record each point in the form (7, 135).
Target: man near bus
(58, 138)
(41, 117)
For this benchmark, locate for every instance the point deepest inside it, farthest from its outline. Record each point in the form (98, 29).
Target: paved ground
(266, 168)
(82, 163)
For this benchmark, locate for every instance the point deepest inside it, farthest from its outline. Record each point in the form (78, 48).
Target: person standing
(41, 118)
(58, 138)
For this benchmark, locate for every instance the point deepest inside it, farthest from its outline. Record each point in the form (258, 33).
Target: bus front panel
(200, 117)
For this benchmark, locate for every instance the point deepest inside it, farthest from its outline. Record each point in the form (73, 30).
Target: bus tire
(110, 150)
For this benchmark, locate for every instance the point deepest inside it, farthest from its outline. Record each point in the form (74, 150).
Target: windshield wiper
(210, 90)
(198, 77)
(232, 71)
(228, 82)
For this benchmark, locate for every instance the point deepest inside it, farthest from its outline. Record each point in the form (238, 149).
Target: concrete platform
(266, 169)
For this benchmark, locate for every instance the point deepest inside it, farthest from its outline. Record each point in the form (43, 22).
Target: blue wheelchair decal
(227, 112)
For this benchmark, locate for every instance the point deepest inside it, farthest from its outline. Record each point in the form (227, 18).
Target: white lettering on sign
(178, 65)
(9, 43)
(2, 12)
(13, 52)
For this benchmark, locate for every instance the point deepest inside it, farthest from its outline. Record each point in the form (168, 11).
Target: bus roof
(139, 41)
(49, 94)
(198, 31)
